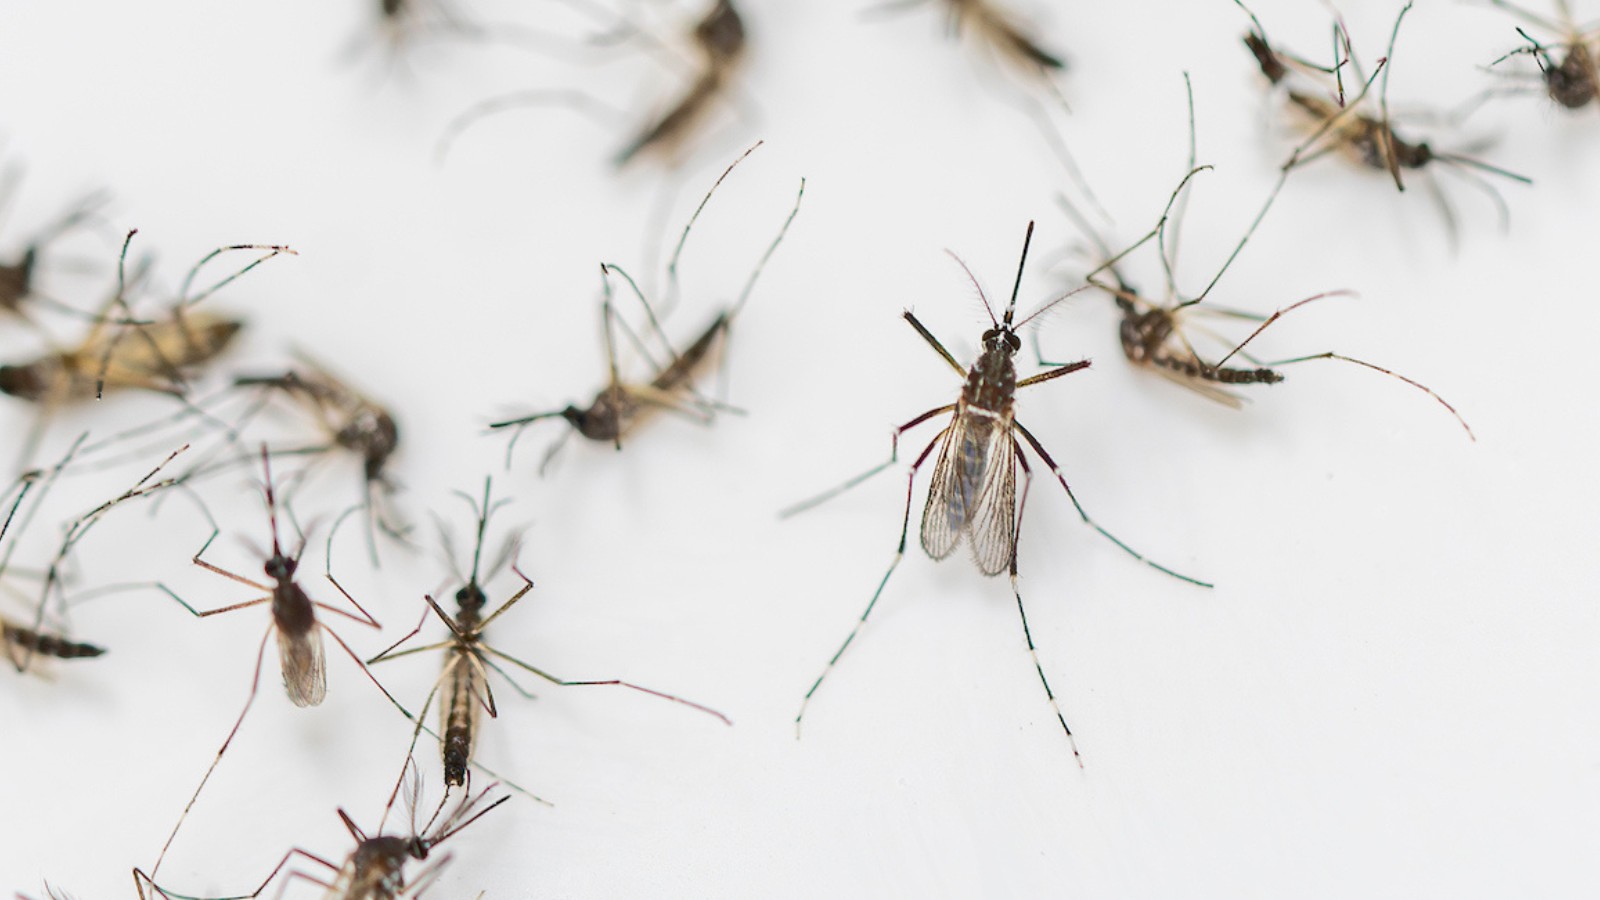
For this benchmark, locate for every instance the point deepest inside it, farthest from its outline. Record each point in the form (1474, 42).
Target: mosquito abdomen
(47, 644)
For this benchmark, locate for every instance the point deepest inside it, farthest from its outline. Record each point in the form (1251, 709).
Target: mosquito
(1574, 80)
(375, 869)
(351, 421)
(1153, 333)
(621, 405)
(719, 42)
(973, 493)
(1369, 140)
(998, 29)
(469, 657)
(17, 288)
(295, 623)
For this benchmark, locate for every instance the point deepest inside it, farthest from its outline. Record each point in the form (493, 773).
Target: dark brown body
(1150, 339)
(617, 409)
(1575, 83)
(719, 38)
(375, 871)
(464, 685)
(155, 357)
(352, 421)
(300, 652)
(29, 641)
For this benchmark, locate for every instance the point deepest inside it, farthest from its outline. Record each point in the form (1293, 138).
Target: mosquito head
(1001, 340)
(280, 567)
(721, 33)
(471, 598)
(1570, 84)
(24, 382)
(418, 846)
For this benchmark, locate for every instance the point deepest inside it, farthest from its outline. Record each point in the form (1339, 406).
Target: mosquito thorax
(1144, 334)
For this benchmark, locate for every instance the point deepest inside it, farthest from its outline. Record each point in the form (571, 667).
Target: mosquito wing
(971, 444)
(993, 529)
(305, 674)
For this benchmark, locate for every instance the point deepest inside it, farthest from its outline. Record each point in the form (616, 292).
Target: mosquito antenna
(974, 279)
(272, 501)
(1022, 263)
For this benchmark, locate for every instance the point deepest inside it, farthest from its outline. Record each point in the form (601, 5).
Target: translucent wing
(305, 674)
(958, 478)
(993, 528)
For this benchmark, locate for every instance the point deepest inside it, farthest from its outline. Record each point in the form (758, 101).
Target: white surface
(1391, 692)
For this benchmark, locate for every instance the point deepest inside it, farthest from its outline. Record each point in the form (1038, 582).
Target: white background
(1391, 691)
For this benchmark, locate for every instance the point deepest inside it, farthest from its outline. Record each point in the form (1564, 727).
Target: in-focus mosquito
(1370, 140)
(1156, 335)
(1573, 81)
(469, 657)
(376, 868)
(973, 495)
(295, 623)
(622, 405)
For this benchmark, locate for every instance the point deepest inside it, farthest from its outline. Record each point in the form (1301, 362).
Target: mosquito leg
(1376, 368)
(1056, 471)
(221, 571)
(604, 683)
(1022, 503)
(255, 682)
(899, 554)
(894, 457)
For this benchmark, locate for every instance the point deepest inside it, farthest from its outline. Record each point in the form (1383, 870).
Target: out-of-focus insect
(124, 352)
(1000, 31)
(1370, 140)
(21, 642)
(469, 658)
(717, 43)
(351, 421)
(375, 869)
(1155, 335)
(973, 495)
(621, 405)
(295, 623)
(17, 277)
(1574, 80)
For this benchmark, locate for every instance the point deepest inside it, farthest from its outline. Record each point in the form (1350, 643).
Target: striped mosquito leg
(1056, 471)
(899, 554)
(1027, 634)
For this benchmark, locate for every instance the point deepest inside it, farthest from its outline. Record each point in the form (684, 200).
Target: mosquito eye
(1014, 342)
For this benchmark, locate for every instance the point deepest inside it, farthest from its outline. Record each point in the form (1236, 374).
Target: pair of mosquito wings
(974, 491)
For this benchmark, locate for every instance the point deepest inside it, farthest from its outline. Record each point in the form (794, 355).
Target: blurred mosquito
(23, 642)
(123, 352)
(1369, 140)
(997, 29)
(351, 422)
(1574, 80)
(717, 43)
(294, 622)
(973, 494)
(621, 405)
(375, 869)
(469, 657)
(1154, 335)
(17, 277)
